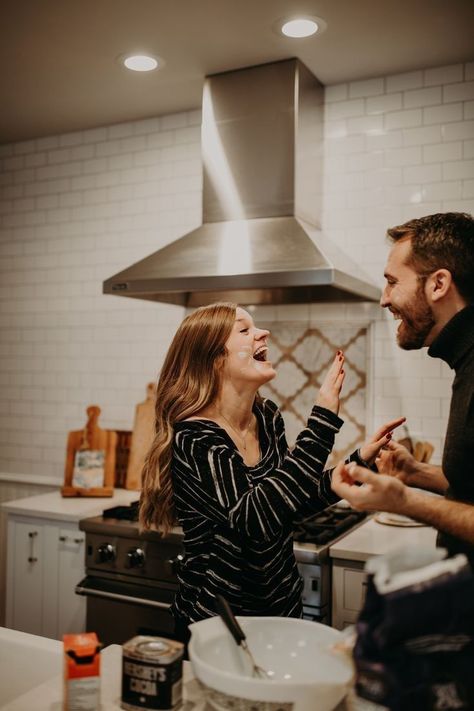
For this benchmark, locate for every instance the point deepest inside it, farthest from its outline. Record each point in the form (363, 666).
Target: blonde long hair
(189, 381)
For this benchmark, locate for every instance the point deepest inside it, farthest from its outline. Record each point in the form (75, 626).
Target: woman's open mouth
(260, 354)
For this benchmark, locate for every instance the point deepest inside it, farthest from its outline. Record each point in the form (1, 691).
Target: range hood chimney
(260, 241)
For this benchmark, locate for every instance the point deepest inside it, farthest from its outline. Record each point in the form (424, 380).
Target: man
(430, 290)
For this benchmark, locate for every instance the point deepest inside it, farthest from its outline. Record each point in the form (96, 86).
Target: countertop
(48, 695)
(72, 508)
(373, 538)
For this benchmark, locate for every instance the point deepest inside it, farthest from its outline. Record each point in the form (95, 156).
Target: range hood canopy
(260, 241)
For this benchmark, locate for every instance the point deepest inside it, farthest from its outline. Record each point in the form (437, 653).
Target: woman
(220, 465)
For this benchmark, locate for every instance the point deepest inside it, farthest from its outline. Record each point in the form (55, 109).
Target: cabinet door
(71, 607)
(348, 593)
(25, 576)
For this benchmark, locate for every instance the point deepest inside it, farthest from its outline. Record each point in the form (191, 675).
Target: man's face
(404, 295)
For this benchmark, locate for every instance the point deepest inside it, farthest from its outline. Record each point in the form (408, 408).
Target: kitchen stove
(131, 577)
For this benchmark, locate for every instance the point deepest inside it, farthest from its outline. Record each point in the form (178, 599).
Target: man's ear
(438, 284)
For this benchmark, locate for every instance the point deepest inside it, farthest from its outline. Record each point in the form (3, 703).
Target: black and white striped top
(238, 520)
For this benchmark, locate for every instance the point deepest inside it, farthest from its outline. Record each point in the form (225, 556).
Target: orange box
(81, 672)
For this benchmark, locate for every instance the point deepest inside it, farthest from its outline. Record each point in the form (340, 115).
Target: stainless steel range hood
(260, 241)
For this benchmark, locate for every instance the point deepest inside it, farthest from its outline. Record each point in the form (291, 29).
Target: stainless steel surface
(93, 592)
(261, 243)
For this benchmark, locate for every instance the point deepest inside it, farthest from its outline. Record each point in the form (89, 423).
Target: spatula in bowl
(227, 616)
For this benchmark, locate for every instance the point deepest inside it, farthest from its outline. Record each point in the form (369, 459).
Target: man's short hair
(441, 241)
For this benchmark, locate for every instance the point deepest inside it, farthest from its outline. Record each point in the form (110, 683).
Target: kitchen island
(350, 553)
(48, 695)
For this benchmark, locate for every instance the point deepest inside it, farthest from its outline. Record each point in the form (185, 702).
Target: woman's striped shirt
(238, 520)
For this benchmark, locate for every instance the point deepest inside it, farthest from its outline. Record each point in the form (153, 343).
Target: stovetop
(312, 536)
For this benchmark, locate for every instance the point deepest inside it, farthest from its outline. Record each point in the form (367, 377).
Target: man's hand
(330, 389)
(395, 460)
(378, 493)
(381, 438)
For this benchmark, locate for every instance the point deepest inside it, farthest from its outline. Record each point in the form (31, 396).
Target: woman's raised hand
(330, 389)
(381, 438)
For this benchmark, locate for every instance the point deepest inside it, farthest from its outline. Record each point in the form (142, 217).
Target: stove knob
(135, 558)
(176, 563)
(106, 553)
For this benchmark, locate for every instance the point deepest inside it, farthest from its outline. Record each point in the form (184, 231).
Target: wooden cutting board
(91, 438)
(142, 438)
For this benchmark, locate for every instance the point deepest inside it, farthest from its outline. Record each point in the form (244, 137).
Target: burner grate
(326, 526)
(123, 513)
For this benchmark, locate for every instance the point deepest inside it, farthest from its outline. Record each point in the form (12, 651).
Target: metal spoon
(238, 634)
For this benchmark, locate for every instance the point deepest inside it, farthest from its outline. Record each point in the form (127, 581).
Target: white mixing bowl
(306, 673)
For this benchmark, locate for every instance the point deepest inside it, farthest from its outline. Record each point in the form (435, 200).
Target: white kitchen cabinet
(45, 561)
(348, 592)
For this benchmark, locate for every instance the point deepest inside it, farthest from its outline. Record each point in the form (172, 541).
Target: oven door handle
(93, 592)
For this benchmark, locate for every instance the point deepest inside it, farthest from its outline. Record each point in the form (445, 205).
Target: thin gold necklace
(239, 434)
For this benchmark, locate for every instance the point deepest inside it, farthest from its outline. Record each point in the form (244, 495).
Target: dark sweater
(455, 345)
(237, 520)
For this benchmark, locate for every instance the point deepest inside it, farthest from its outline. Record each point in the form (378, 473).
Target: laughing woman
(220, 466)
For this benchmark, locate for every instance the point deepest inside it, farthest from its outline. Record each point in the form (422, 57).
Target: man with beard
(430, 290)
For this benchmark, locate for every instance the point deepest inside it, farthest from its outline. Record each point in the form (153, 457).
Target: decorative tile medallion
(302, 355)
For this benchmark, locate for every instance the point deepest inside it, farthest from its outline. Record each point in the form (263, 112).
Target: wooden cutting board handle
(91, 437)
(142, 438)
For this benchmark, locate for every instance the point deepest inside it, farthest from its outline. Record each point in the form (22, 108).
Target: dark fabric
(415, 646)
(455, 345)
(182, 634)
(238, 520)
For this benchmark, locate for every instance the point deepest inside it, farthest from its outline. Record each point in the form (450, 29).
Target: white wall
(396, 148)
(76, 208)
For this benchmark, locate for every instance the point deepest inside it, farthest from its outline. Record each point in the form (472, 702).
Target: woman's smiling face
(247, 351)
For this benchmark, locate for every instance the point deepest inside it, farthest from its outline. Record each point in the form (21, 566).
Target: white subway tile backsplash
(344, 109)
(403, 119)
(458, 170)
(47, 142)
(443, 75)
(384, 103)
(458, 131)
(443, 152)
(369, 87)
(444, 113)
(173, 121)
(451, 190)
(71, 139)
(61, 155)
(120, 130)
(422, 174)
(147, 126)
(338, 92)
(95, 135)
(403, 156)
(365, 124)
(401, 82)
(463, 91)
(422, 97)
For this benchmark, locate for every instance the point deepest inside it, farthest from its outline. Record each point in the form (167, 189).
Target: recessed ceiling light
(301, 26)
(141, 62)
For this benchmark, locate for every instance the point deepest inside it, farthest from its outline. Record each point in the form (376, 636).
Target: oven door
(118, 610)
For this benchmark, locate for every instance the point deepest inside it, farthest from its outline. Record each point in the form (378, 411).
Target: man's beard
(416, 323)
